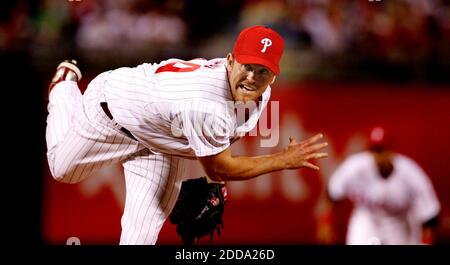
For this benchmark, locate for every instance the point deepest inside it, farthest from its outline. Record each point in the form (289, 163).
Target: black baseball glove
(199, 209)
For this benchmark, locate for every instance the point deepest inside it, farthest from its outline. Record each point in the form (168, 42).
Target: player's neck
(384, 163)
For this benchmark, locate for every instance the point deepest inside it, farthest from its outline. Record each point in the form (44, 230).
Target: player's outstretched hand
(299, 154)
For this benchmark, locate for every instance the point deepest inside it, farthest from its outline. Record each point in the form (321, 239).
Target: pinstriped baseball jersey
(178, 107)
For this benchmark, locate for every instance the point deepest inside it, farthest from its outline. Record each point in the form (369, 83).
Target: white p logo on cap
(267, 43)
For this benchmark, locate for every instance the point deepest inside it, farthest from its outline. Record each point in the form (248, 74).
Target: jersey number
(181, 66)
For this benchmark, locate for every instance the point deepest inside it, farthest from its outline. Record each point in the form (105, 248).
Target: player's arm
(325, 232)
(326, 223)
(429, 230)
(224, 166)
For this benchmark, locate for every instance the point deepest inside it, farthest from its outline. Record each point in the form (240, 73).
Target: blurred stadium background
(347, 66)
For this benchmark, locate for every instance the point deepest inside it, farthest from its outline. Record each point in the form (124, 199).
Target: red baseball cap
(259, 45)
(380, 136)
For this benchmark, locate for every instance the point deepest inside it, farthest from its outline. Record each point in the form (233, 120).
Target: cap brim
(249, 59)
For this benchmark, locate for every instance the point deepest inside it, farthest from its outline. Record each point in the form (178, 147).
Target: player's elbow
(216, 177)
(212, 173)
(217, 172)
(224, 174)
(224, 167)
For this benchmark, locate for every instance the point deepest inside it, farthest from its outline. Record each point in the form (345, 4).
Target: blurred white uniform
(387, 210)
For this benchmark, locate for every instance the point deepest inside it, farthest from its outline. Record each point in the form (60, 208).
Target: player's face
(247, 81)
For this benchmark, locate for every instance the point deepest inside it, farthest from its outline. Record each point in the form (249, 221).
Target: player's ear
(230, 60)
(273, 80)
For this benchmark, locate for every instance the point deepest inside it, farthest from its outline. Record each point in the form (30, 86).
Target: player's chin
(246, 96)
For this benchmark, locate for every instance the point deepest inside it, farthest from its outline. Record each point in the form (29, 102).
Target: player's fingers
(316, 156)
(311, 166)
(313, 139)
(315, 147)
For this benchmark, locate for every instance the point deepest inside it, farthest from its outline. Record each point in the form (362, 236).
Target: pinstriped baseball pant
(81, 139)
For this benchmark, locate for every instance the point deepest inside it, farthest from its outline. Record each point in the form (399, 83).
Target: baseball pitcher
(152, 117)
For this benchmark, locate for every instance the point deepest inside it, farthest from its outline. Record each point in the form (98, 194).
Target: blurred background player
(393, 199)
